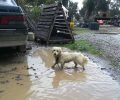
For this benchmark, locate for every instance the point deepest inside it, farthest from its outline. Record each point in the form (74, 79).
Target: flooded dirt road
(29, 77)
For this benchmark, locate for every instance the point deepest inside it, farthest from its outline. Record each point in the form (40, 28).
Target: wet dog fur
(62, 57)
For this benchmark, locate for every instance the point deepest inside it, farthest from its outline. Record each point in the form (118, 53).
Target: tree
(115, 8)
(65, 3)
(102, 5)
(92, 7)
(89, 6)
(72, 9)
(77, 16)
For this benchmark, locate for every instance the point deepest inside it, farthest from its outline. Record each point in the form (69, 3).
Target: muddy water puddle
(30, 77)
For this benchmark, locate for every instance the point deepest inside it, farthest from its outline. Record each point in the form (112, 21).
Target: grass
(84, 46)
(78, 30)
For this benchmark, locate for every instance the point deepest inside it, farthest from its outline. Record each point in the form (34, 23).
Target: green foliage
(115, 8)
(88, 8)
(84, 46)
(35, 13)
(102, 5)
(37, 2)
(77, 16)
(32, 7)
(91, 7)
(114, 11)
(65, 3)
(49, 1)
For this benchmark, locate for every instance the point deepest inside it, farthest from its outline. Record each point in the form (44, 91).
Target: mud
(30, 77)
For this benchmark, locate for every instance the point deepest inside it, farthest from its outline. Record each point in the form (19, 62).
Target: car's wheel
(119, 24)
(21, 48)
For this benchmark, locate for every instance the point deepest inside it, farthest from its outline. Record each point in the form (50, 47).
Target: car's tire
(119, 24)
(21, 48)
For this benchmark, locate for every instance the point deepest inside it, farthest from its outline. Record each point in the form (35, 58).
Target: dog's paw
(52, 67)
(83, 69)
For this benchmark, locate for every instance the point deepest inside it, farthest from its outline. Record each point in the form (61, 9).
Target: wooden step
(47, 13)
(59, 16)
(45, 20)
(46, 17)
(50, 9)
(59, 20)
(61, 23)
(50, 6)
(44, 23)
(43, 26)
(59, 12)
(43, 29)
(60, 26)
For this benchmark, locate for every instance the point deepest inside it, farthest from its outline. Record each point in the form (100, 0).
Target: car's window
(3, 10)
(9, 6)
(10, 9)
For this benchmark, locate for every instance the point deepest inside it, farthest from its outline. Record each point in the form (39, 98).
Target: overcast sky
(79, 3)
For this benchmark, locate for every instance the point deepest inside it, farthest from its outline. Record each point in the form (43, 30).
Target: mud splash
(31, 78)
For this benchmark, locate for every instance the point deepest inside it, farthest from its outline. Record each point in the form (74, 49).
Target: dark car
(116, 22)
(13, 30)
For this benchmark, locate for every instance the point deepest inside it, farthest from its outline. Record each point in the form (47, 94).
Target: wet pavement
(30, 77)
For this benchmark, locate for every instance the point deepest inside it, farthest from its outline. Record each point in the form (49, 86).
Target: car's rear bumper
(9, 38)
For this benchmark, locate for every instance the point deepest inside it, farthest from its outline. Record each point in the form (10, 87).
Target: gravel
(109, 43)
(107, 39)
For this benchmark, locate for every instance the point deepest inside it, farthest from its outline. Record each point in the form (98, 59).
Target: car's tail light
(7, 19)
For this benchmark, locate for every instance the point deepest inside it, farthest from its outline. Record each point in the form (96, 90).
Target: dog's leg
(53, 65)
(83, 67)
(62, 65)
(59, 65)
(56, 62)
(75, 64)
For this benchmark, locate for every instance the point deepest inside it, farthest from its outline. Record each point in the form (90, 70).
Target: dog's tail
(85, 60)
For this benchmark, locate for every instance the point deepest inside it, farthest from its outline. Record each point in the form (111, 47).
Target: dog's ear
(60, 49)
(53, 49)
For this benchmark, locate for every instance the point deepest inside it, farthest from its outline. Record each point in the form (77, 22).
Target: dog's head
(56, 51)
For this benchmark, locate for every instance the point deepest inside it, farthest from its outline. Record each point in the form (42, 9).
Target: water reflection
(69, 75)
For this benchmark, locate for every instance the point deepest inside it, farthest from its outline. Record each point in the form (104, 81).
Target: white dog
(65, 57)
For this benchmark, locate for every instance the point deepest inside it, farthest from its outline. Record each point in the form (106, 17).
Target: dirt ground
(30, 77)
(107, 39)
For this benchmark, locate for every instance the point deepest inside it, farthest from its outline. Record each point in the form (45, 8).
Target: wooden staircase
(52, 26)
